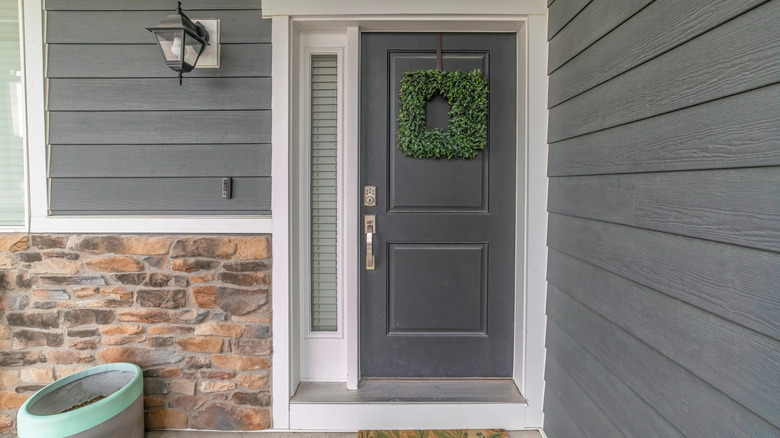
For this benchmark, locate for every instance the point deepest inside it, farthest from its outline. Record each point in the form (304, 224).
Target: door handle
(369, 225)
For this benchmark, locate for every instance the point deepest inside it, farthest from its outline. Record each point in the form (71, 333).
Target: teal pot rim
(84, 418)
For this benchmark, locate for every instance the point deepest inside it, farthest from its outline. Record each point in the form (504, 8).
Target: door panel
(440, 302)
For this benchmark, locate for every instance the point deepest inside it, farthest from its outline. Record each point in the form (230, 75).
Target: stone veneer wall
(193, 311)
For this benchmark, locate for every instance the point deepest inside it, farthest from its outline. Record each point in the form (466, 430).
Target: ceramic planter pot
(103, 401)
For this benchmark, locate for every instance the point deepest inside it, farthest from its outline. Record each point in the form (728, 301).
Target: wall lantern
(182, 41)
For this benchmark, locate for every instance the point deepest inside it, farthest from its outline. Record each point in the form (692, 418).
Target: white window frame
(322, 354)
(23, 128)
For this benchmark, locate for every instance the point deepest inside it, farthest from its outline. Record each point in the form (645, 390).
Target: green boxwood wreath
(467, 94)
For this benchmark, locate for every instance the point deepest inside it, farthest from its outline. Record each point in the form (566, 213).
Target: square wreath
(467, 94)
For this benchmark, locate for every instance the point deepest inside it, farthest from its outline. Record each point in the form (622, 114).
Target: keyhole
(437, 113)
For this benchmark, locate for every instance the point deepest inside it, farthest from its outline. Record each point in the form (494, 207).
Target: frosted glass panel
(11, 118)
(324, 220)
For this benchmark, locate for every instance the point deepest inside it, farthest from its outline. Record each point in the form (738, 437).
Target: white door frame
(532, 189)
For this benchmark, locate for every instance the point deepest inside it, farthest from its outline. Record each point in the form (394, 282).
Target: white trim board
(531, 253)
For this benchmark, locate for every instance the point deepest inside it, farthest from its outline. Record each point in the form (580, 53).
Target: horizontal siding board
(661, 26)
(172, 160)
(147, 5)
(694, 407)
(737, 361)
(738, 206)
(155, 195)
(160, 127)
(159, 94)
(565, 426)
(737, 131)
(688, 75)
(561, 13)
(129, 27)
(630, 413)
(146, 61)
(738, 284)
(594, 423)
(595, 21)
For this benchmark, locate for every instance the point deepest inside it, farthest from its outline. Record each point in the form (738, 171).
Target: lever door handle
(369, 223)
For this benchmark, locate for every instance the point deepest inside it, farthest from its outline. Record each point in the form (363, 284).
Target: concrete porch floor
(197, 434)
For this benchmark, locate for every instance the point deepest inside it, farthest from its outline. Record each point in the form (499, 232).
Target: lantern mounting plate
(210, 56)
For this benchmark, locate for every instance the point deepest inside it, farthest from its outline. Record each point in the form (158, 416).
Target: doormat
(451, 433)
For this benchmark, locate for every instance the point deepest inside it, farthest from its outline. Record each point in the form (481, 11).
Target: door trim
(531, 206)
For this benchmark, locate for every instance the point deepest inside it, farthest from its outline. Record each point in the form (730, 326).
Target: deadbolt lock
(369, 196)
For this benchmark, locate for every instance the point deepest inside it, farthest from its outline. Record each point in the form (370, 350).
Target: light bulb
(176, 47)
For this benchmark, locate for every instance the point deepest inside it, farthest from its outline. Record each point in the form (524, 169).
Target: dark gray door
(440, 302)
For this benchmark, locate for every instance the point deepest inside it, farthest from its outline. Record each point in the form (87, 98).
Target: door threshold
(409, 404)
(412, 391)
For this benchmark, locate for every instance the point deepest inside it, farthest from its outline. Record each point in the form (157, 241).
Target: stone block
(96, 244)
(11, 400)
(5, 332)
(161, 315)
(130, 279)
(46, 295)
(211, 247)
(165, 373)
(83, 333)
(204, 296)
(77, 317)
(252, 398)
(39, 320)
(145, 245)
(221, 416)
(215, 328)
(143, 357)
(85, 292)
(253, 381)
(170, 330)
(158, 280)
(61, 371)
(125, 329)
(29, 257)
(252, 266)
(244, 278)
(156, 262)
(155, 386)
(165, 419)
(122, 340)
(203, 278)
(62, 357)
(114, 264)
(255, 247)
(193, 265)
(37, 375)
(217, 375)
(240, 301)
(6, 423)
(20, 358)
(154, 401)
(13, 242)
(117, 292)
(163, 341)
(55, 266)
(162, 298)
(218, 386)
(16, 302)
(8, 378)
(22, 339)
(7, 261)
(44, 305)
(186, 402)
(186, 387)
(240, 363)
(81, 280)
(83, 344)
(253, 318)
(207, 344)
(197, 362)
(251, 347)
(67, 255)
(47, 241)
(258, 331)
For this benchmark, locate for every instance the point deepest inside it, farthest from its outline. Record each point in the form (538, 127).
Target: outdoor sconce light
(182, 41)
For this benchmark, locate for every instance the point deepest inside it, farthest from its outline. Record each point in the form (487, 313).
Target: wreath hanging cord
(467, 95)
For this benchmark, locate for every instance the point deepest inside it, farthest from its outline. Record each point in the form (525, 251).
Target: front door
(440, 299)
